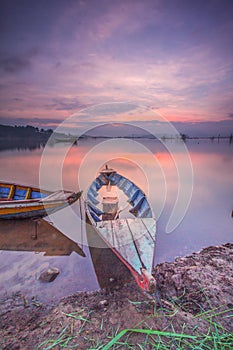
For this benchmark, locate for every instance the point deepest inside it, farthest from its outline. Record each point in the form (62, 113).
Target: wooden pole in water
(36, 229)
(81, 217)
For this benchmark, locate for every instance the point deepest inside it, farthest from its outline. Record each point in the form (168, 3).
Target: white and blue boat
(129, 230)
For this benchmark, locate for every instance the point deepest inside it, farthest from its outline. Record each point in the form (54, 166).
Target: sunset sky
(59, 56)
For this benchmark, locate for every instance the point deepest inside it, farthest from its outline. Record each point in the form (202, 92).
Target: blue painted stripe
(94, 216)
(137, 205)
(4, 192)
(138, 198)
(130, 189)
(95, 185)
(115, 178)
(134, 195)
(36, 194)
(103, 179)
(144, 211)
(122, 182)
(19, 193)
(99, 182)
(92, 198)
(96, 210)
(93, 191)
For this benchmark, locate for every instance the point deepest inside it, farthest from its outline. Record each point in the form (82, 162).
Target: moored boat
(20, 202)
(130, 230)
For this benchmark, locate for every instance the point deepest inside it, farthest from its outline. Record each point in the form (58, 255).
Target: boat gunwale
(86, 200)
(33, 188)
(41, 201)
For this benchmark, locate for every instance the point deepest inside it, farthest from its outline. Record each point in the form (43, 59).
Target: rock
(177, 280)
(103, 302)
(49, 275)
(194, 282)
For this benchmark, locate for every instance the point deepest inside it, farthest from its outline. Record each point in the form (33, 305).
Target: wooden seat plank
(28, 194)
(12, 192)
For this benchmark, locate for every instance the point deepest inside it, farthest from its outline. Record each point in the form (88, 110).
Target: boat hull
(14, 204)
(115, 272)
(128, 252)
(131, 239)
(26, 211)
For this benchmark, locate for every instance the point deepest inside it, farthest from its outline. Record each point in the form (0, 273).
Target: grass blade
(149, 332)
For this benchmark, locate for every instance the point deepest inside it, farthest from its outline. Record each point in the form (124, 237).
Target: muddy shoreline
(191, 291)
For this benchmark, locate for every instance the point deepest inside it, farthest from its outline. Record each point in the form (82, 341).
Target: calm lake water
(207, 221)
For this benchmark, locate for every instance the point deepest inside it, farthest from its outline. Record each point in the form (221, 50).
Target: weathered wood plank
(143, 240)
(125, 244)
(150, 224)
(133, 239)
(105, 229)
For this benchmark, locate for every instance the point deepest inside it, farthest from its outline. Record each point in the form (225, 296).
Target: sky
(60, 56)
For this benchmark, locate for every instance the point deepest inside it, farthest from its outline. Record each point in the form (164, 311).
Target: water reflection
(35, 236)
(28, 248)
(110, 271)
(207, 222)
(22, 144)
(30, 143)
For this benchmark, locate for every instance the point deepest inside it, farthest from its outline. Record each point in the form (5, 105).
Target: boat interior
(10, 192)
(103, 198)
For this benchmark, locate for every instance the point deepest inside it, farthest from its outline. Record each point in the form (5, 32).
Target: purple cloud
(14, 64)
(60, 56)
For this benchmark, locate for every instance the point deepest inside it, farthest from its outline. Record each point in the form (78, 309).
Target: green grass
(62, 341)
(146, 332)
(66, 335)
(216, 337)
(213, 340)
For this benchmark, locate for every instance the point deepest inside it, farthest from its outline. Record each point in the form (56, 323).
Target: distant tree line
(184, 137)
(28, 131)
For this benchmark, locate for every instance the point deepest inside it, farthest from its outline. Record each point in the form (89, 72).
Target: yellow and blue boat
(21, 202)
